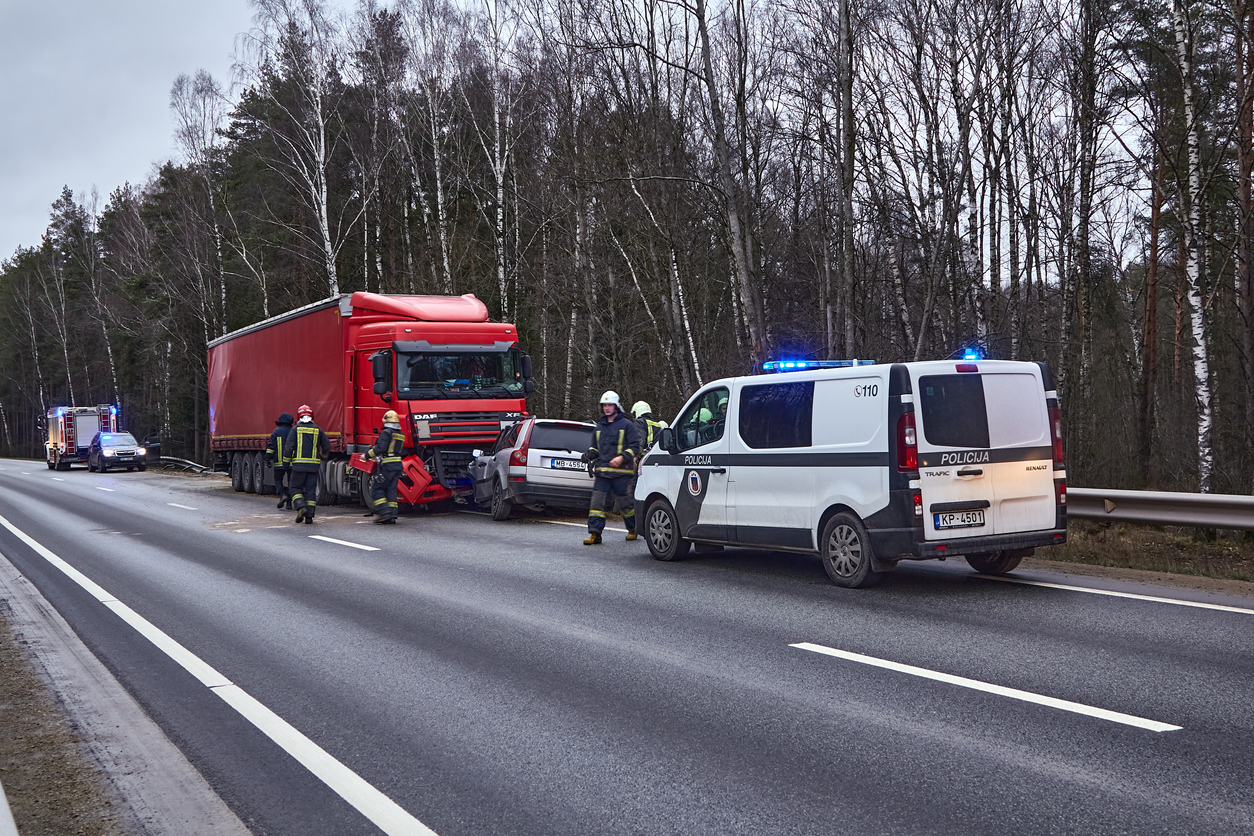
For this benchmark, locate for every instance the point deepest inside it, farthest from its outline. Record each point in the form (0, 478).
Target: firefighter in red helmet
(305, 449)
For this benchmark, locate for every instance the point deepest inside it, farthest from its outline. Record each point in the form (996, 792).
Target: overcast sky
(85, 95)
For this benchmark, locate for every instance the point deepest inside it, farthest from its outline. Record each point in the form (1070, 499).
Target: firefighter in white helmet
(649, 430)
(615, 448)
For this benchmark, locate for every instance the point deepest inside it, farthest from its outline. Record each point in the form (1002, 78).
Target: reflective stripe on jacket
(306, 446)
(387, 449)
(615, 436)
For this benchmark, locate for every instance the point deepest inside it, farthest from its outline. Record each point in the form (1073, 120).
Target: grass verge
(1227, 555)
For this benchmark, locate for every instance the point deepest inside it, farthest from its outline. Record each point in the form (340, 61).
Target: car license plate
(566, 464)
(959, 519)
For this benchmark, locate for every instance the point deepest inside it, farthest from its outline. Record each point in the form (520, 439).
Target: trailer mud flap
(414, 480)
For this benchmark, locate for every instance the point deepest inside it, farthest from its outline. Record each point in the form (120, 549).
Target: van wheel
(661, 530)
(846, 551)
(502, 507)
(994, 563)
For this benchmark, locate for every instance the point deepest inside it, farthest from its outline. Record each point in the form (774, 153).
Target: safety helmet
(390, 417)
(305, 411)
(640, 408)
(704, 415)
(612, 397)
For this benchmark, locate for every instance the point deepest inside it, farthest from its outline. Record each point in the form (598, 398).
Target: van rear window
(953, 410)
(574, 439)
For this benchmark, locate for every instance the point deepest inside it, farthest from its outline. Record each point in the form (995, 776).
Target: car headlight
(141, 451)
(109, 452)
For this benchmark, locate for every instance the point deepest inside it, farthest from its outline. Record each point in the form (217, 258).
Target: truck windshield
(488, 374)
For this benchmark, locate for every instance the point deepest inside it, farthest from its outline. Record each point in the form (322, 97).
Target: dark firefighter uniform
(649, 431)
(614, 437)
(305, 448)
(387, 452)
(275, 460)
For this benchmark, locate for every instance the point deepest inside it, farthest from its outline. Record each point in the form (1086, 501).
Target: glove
(588, 457)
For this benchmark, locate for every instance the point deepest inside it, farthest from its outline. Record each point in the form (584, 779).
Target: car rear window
(953, 410)
(555, 437)
(983, 410)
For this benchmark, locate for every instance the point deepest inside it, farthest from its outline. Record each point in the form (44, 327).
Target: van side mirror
(381, 370)
(667, 441)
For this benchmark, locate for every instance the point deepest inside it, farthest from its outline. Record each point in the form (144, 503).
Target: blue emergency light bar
(777, 366)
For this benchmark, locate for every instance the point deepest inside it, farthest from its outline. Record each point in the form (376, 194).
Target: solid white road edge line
(385, 813)
(343, 543)
(976, 685)
(184, 507)
(1134, 596)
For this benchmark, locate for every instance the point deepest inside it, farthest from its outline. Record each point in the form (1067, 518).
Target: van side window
(777, 414)
(953, 410)
(704, 420)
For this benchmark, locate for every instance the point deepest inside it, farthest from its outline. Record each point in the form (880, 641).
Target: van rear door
(985, 453)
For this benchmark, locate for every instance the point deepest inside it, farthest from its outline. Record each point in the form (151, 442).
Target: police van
(864, 464)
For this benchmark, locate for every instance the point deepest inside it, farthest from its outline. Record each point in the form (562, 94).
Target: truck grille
(452, 468)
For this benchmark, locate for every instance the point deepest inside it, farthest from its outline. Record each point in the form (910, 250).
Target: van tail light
(518, 458)
(918, 504)
(1055, 433)
(907, 445)
(1060, 488)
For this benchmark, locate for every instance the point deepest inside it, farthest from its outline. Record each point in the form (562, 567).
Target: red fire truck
(454, 378)
(71, 429)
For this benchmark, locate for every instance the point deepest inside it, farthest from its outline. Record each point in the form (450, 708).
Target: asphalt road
(474, 677)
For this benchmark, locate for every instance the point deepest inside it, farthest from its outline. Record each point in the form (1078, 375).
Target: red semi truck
(454, 378)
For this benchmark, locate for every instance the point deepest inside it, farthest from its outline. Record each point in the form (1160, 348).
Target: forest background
(663, 192)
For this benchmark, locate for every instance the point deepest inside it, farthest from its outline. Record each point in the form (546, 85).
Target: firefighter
(387, 451)
(649, 431)
(275, 460)
(305, 448)
(615, 448)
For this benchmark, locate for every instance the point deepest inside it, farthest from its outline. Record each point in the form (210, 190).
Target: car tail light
(1060, 488)
(907, 445)
(518, 458)
(1055, 433)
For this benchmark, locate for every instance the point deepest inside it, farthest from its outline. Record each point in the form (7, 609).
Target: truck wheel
(51, 464)
(246, 471)
(237, 472)
(502, 506)
(62, 465)
(994, 563)
(259, 477)
(326, 484)
(846, 552)
(661, 530)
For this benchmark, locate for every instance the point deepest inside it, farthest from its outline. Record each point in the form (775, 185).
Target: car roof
(561, 422)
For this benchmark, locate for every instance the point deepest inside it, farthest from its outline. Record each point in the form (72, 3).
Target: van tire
(846, 552)
(502, 506)
(994, 563)
(661, 532)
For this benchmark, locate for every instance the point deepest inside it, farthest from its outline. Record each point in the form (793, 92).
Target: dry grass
(1184, 551)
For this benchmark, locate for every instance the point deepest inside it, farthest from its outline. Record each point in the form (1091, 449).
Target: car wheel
(130, 470)
(237, 472)
(846, 552)
(502, 506)
(102, 467)
(91, 468)
(142, 468)
(661, 530)
(994, 563)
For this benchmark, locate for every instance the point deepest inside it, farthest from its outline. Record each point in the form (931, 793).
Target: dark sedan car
(109, 450)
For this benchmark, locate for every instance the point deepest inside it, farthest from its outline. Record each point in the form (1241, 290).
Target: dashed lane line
(385, 813)
(343, 543)
(184, 507)
(57, 479)
(989, 688)
(110, 490)
(1157, 600)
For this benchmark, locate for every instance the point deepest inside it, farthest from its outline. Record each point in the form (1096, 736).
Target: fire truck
(71, 429)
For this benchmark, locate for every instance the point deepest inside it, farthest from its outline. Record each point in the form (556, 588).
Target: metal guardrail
(1202, 510)
(171, 463)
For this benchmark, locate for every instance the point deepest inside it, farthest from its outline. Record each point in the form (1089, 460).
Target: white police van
(865, 465)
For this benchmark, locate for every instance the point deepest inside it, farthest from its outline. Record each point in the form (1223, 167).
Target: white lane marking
(184, 507)
(582, 525)
(343, 543)
(110, 490)
(26, 473)
(57, 479)
(242, 530)
(385, 813)
(977, 685)
(1134, 596)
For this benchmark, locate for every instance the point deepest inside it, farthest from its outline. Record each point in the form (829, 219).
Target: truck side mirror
(667, 441)
(381, 370)
(526, 366)
(529, 386)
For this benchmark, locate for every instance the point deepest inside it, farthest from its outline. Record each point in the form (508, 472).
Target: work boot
(288, 505)
(593, 539)
(300, 515)
(383, 520)
(309, 519)
(631, 535)
(282, 501)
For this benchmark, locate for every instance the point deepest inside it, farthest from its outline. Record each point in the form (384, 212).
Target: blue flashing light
(971, 354)
(778, 366)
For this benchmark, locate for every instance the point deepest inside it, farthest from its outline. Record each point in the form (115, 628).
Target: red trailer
(454, 378)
